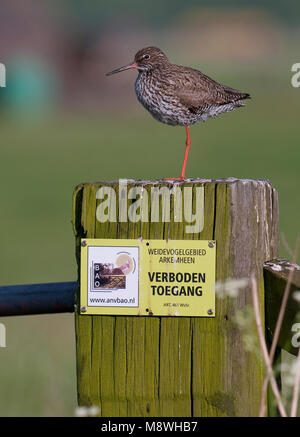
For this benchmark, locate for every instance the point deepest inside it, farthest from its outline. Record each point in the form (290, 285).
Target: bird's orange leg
(186, 154)
(187, 149)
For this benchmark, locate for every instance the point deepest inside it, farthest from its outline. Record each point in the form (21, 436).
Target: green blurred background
(62, 122)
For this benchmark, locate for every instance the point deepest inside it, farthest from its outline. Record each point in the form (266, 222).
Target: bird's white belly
(161, 107)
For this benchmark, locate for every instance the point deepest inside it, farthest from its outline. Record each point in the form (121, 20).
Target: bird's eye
(146, 57)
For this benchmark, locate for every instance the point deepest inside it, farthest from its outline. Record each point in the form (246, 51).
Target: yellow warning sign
(148, 277)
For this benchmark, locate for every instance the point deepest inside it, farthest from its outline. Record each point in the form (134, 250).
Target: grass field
(42, 163)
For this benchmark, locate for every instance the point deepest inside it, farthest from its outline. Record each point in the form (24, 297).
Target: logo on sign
(112, 276)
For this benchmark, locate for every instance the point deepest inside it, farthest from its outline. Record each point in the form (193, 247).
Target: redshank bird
(177, 95)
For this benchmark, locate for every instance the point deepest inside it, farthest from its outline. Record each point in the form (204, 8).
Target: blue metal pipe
(54, 297)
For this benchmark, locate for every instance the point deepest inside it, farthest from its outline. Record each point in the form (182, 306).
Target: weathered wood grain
(162, 366)
(276, 274)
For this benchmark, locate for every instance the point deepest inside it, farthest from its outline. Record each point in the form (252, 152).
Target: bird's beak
(126, 67)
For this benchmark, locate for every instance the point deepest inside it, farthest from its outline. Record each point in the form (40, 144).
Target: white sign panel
(113, 276)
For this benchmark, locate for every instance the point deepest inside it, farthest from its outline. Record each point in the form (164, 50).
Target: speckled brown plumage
(177, 95)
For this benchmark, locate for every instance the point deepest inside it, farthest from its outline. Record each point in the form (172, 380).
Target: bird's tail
(245, 96)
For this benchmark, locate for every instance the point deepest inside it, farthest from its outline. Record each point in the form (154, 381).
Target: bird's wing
(200, 91)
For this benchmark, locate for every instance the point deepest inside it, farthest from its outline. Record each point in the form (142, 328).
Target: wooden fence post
(276, 274)
(166, 366)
